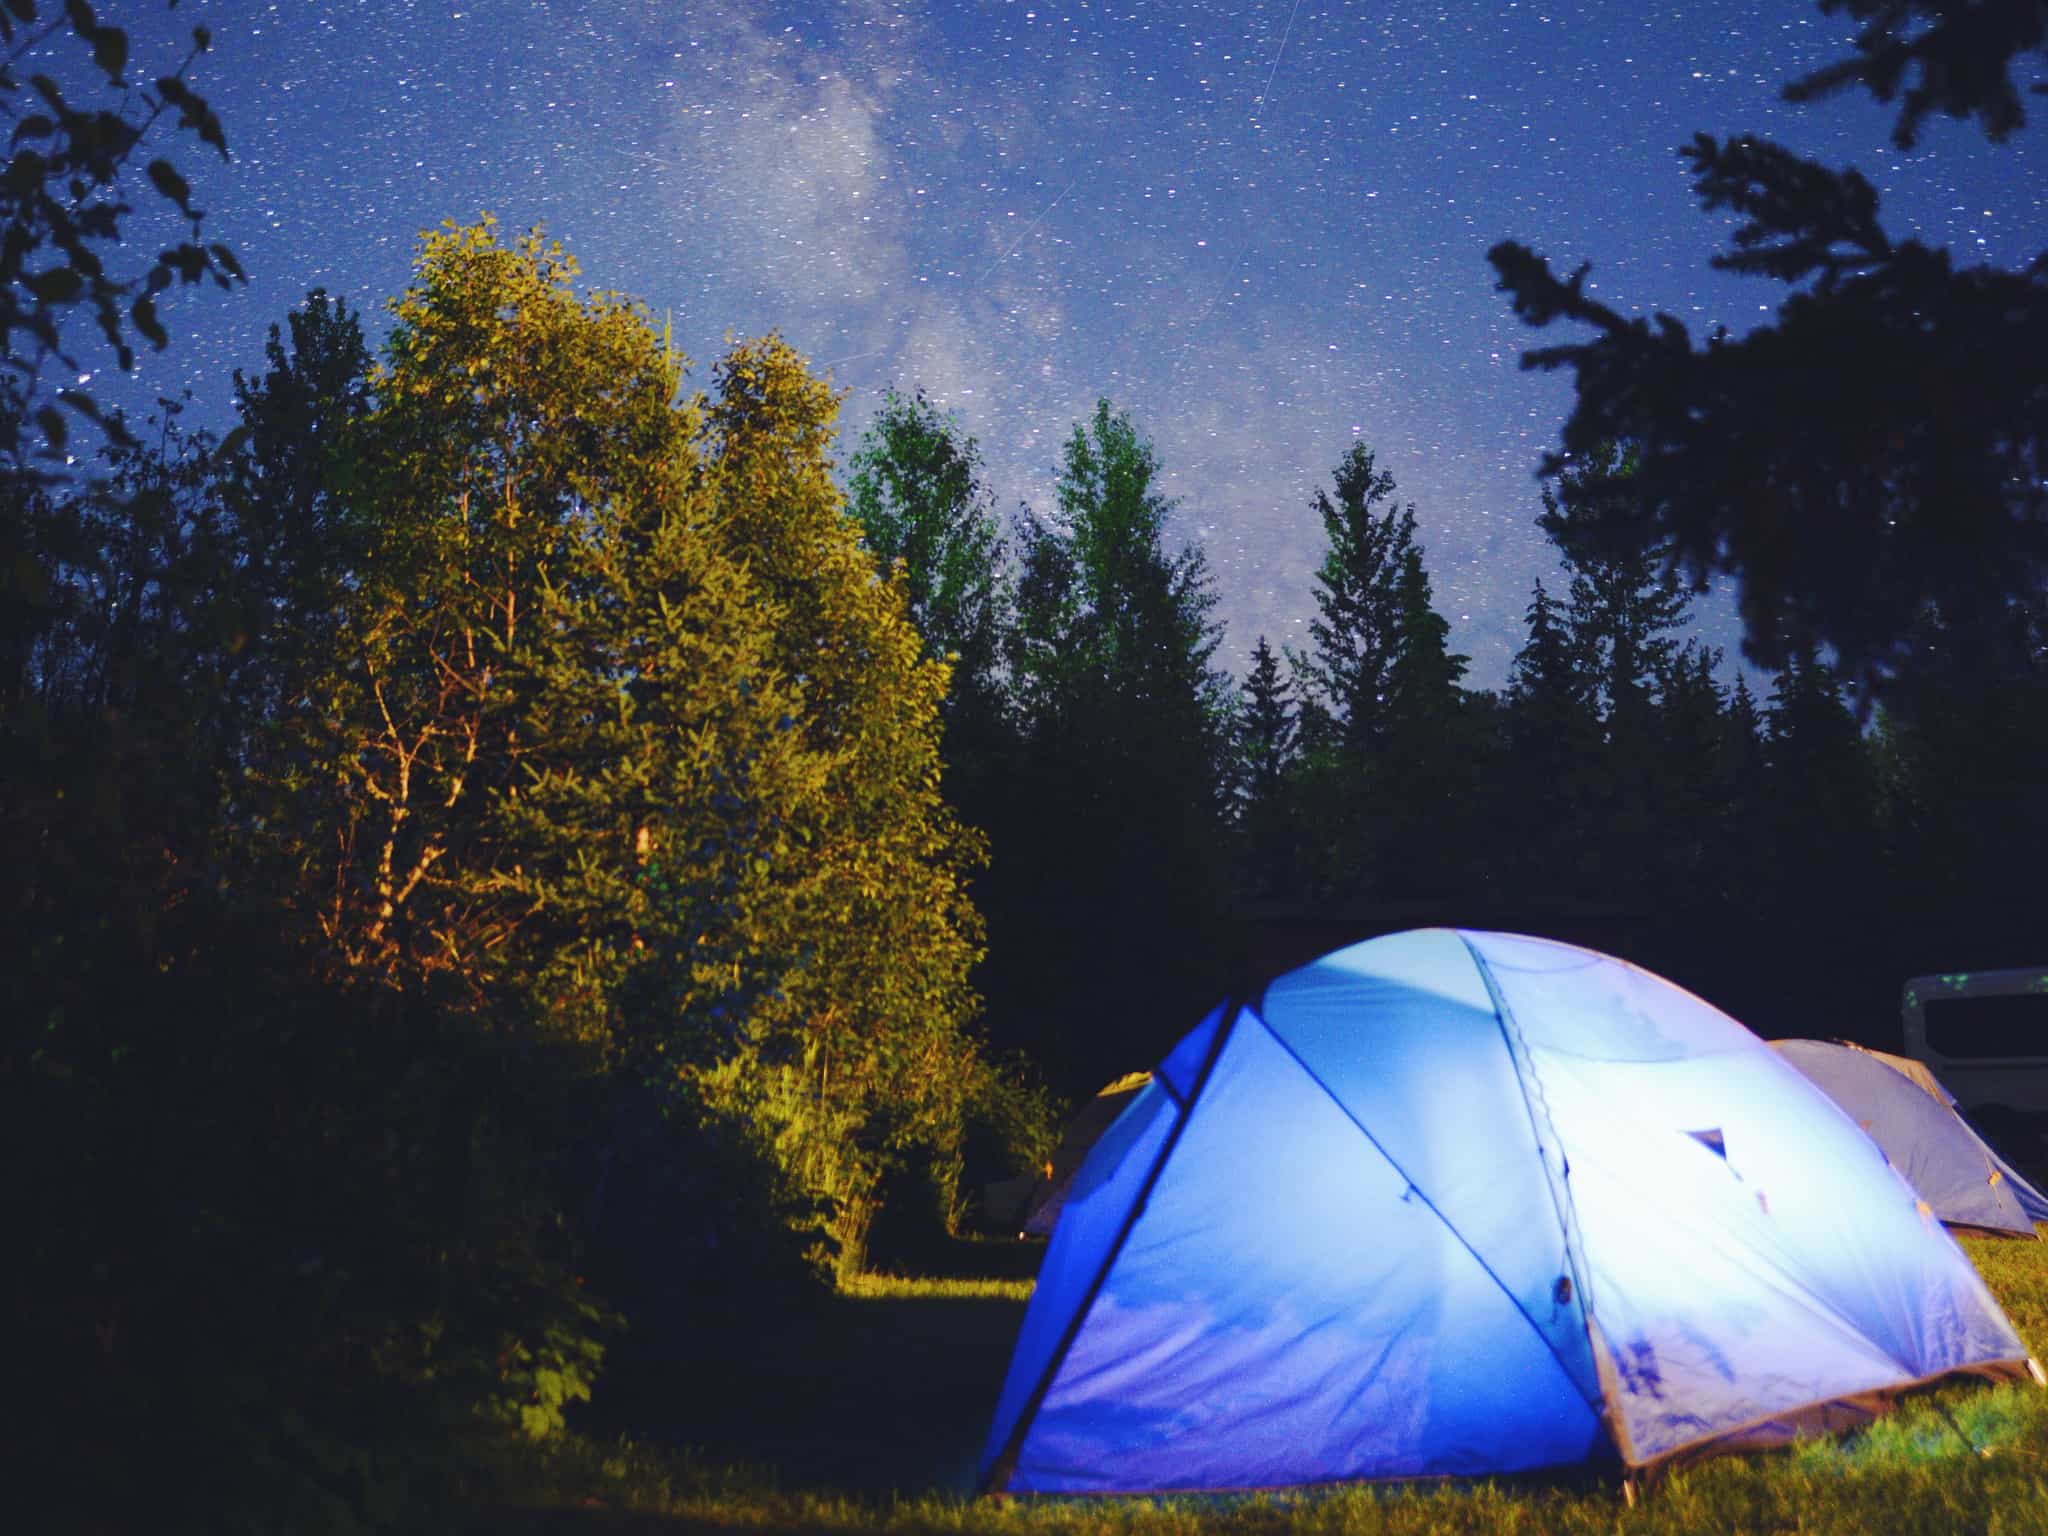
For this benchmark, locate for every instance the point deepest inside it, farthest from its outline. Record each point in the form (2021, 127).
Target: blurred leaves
(1873, 456)
(63, 213)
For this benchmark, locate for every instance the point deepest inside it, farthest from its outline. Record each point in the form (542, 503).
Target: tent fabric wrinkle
(1454, 1203)
(1088, 1227)
(1568, 1325)
(1227, 1348)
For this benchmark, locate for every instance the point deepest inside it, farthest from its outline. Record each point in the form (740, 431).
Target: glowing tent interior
(1902, 1107)
(1452, 1203)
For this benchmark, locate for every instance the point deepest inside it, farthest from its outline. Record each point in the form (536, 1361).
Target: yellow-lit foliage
(625, 737)
(865, 1039)
(507, 409)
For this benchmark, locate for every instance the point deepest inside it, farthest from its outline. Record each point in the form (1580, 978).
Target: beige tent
(1083, 1131)
(1902, 1107)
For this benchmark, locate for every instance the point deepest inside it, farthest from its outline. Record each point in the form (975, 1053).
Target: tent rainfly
(1914, 1121)
(1452, 1203)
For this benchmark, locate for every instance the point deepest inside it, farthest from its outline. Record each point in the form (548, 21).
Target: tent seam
(1560, 1190)
(1006, 1463)
(1431, 1206)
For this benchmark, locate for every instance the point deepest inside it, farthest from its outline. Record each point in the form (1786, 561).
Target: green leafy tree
(505, 407)
(249, 1197)
(866, 1034)
(472, 766)
(652, 834)
(1875, 450)
(622, 732)
(917, 491)
(119, 728)
(656, 837)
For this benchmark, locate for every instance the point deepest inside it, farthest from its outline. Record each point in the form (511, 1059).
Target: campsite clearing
(881, 1396)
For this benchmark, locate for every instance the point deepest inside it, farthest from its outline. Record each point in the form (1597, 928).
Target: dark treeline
(520, 865)
(1791, 851)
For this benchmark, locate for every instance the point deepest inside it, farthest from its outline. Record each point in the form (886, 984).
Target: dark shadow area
(855, 1394)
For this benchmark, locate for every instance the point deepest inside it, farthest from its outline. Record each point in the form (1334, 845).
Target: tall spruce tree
(1435, 755)
(1116, 874)
(1550, 679)
(1423, 682)
(1824, 898)
(1355, 636)
(1624, 606)
(1624, 610)
(1553, 759)
(1690, 795)
(1381, 705)
(916, 490)
(1267, 727)
(1742, 829)
(1744, 736)
(1268, 736)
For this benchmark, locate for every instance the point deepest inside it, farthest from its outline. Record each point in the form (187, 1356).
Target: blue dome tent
(1451, 1203)
(1913, 1120)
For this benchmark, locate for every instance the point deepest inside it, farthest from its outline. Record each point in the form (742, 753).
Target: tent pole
(1006, 1464)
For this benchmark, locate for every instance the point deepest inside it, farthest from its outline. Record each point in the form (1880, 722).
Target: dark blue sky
(1258, 227)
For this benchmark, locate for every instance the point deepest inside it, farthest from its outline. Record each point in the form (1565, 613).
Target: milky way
(1259, 228)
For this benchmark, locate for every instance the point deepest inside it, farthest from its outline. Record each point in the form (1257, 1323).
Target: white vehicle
(1985, 1034)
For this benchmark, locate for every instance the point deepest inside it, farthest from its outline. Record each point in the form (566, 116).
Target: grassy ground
(865, 1413)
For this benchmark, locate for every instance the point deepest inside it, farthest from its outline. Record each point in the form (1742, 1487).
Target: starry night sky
(1258, 227)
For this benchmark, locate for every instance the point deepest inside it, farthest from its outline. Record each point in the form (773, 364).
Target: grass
(864, 1413)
